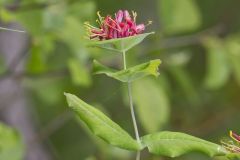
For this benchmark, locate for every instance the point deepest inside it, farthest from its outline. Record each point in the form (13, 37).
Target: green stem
(131, 107)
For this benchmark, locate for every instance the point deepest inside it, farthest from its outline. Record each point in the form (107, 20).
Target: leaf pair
(171, 144)
(130, 74)
(120, 44)
(11, 145)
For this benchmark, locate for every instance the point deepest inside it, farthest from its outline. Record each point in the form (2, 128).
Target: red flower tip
(123, 25)
(119, 16)
(234, 136)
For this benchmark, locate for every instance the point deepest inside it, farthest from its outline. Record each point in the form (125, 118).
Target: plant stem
(131, 107)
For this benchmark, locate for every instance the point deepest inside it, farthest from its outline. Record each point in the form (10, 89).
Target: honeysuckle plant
(119, 33)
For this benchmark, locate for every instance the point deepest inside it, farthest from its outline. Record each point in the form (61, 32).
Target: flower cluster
(122, 25)
(231, 146)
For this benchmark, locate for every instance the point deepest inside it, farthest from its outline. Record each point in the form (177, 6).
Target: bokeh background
(197, 92)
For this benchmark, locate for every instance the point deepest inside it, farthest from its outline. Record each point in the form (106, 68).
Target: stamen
(88, 25)
(134, 15)
(99, 16)
(114, 23)
(149, 23)
(99, 22)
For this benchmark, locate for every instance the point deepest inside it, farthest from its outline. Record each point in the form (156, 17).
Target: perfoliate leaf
(179, 16)
(101, 125)
(174, 144)
(130, 74)
(218, 70)
(121, 44)
(11, 145)
(152, 104)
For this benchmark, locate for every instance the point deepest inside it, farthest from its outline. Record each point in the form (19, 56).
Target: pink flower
(234, 136)
(231, 146)
(122, 25)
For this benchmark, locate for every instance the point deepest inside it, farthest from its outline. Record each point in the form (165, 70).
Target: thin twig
(13, 30)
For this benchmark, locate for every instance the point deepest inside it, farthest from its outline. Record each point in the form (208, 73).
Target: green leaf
(233, 48)
(3, 67)
(121, 44)
(37, 60)
(179, 16)
(53, 17)
(174, 144)
(183, 79)
(82, 9)
(11, 145)
(6, 15)
(130, 74)
(101, 125)
(71, 35)
(79, 73)
(31, 20)
(152, 104)
(233, 156)
(218, 70)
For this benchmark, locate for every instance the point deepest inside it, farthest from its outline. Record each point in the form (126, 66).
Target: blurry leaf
(101, 125)
(11, 145)
(130, 74)
(79, 73)
(91, 158)
(233, 156)
(185, 82)
(73, 35)
(233, 46)
(6, 16)
(2, 65)
(83, 10)
(48, 90)
(121, 44)
(180, 58)
(179, 16)
(152, 104)
(174, 144)
(36, 62)
(32, 20)
(53, 16)
(218, 70)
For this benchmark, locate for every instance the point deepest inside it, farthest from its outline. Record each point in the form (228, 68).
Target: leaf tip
(95, 61)
(154, 65)
(66, 94)
(68, 97)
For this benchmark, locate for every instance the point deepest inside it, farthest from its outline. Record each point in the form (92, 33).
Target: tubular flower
(121, 25)
(231, 146)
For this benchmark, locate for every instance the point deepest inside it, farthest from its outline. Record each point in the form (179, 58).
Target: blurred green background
(197, 92)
